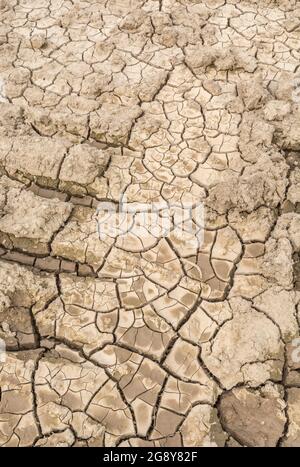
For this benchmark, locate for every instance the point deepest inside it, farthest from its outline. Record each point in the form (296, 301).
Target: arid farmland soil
(123, 322)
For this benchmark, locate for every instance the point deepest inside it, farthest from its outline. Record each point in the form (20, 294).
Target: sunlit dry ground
(145, 340)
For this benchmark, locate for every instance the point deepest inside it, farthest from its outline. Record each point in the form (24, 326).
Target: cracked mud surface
(145, 341)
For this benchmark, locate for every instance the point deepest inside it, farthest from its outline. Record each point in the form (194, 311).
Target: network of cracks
(138, 339)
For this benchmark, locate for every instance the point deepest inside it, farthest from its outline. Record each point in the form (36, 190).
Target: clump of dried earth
(138, 340)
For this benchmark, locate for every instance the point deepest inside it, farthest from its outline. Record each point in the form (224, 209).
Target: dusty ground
(142, 340)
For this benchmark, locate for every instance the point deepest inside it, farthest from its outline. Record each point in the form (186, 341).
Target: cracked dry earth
(145, 341)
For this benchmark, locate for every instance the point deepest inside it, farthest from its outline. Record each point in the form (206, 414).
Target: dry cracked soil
(142, 337)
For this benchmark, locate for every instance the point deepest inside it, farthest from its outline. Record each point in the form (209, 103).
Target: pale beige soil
(146, 341)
